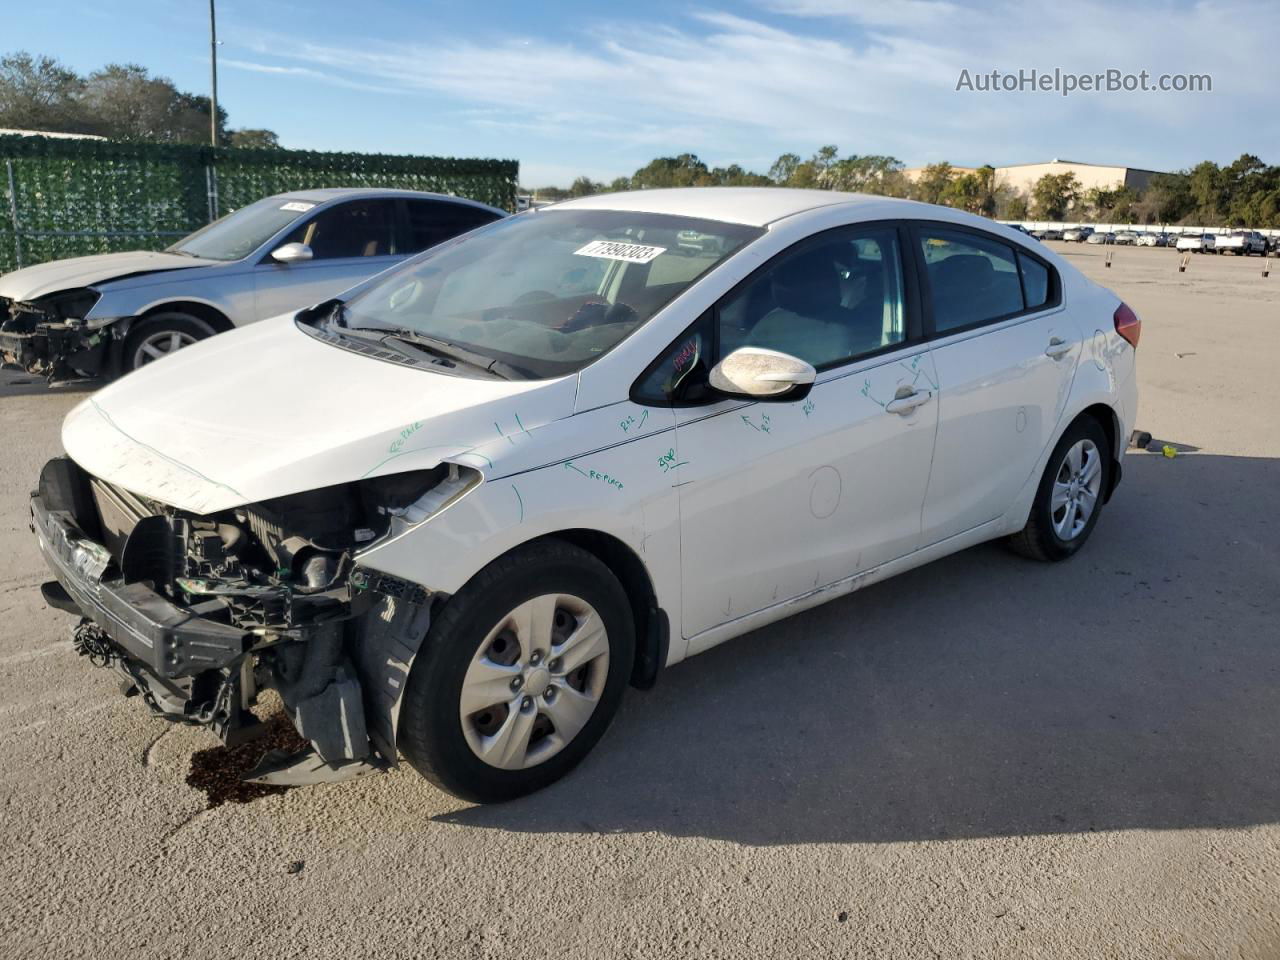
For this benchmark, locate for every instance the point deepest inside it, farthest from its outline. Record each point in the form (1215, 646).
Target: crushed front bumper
(188, 668)
(42, 343)
(340, 680)
(56, 350)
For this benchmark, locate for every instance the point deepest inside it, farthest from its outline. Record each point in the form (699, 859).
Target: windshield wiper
(450, 351)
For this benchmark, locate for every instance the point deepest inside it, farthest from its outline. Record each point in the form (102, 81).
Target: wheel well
(201, 311)
(1106, 418)
(652, 626)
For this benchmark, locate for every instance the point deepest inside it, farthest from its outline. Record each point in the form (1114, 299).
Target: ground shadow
(16, 383)
(1135, 686)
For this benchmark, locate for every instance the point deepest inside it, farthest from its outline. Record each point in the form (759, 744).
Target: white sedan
(454, 513)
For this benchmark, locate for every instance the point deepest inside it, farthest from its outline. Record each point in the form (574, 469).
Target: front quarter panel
(612, 470)
(228, 289)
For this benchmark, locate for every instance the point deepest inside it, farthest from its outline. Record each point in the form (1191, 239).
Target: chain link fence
(68, 198)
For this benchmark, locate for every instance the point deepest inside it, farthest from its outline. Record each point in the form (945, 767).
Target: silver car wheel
(534, 681)
(1076, 488)
(161, 344)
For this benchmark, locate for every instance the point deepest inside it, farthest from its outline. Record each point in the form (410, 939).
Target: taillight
(1128, 325)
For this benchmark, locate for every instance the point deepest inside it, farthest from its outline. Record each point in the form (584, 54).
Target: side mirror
(762, 375)
(291, 253)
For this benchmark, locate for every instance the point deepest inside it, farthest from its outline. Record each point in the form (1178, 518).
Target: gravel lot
(982, 758)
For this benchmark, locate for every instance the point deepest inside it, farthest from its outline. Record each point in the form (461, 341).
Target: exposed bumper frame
(170, 641)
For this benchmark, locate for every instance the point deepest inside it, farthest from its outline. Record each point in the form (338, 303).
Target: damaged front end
(49, 336)
(201, 613)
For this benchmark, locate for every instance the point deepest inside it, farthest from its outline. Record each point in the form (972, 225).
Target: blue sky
(601, 89)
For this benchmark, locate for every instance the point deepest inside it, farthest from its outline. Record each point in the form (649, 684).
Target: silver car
(114, 312)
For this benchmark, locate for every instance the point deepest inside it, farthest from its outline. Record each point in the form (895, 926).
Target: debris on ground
(217, 771)
(1169, 451)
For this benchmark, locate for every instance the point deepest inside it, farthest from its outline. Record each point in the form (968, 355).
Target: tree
(932, 184)
(685, 170)
(38, 93)
(1205, 184)
(784, 168)
(127, 103)
(253, 139)
(870, 173)
(585, 187)
(1166, 199)
(620, 183)
(1011, 204)
(734, 176)
(119, 101)
(1052, 194)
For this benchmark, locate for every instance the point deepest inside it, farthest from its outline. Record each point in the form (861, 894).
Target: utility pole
(213, 70)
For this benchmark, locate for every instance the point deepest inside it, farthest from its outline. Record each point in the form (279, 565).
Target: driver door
(778, 498)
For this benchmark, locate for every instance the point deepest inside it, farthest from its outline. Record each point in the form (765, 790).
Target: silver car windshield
(238, 234)
(546, 293)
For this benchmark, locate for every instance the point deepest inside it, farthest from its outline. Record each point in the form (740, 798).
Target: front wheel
(1069, 498)
(160, 335)
(520, 674)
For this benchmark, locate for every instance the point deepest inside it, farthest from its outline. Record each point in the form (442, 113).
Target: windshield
(546, 293)
(239, 234)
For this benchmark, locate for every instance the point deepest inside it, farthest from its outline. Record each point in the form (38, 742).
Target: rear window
(972, 279)
(434, 221)
(976, 279)
(1035, 281)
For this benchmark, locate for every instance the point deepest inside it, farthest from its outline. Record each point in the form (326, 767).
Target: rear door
(349, 241)
(1005, 351)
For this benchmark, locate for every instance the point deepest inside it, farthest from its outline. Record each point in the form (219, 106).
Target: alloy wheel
(1076, 488)
(161, 344)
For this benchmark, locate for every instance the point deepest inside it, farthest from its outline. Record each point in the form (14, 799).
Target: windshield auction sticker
(612, 250)
(298, 206)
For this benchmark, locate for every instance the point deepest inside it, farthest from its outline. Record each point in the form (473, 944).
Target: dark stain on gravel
(217, 771)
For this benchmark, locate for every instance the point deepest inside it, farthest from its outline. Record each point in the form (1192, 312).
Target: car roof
(751, 206)
(325, 194)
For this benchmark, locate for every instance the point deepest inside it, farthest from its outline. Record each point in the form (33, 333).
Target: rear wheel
(520, 674)
(1069, 498)
(160, 335)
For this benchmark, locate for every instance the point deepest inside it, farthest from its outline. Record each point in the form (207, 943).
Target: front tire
(519, 675)
(160, 335)
(1069, 498)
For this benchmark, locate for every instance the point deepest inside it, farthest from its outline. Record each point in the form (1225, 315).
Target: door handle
(1057, 348)
(905, 404)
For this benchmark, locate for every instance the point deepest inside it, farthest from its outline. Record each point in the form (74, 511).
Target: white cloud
(872, 77)
(303, 73)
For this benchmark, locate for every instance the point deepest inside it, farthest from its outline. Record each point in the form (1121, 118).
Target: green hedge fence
(67, 198)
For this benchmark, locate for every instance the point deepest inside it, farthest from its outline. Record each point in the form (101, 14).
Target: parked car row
(1242, 242)
(451, 513)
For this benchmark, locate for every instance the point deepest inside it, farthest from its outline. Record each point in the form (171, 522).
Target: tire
(160, 335)
(1043, 536)
(476, 634)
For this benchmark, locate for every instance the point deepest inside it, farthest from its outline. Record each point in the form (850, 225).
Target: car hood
(268, 410)
(31, 283)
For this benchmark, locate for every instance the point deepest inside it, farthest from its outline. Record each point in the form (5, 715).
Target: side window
(1035, 281)
(828, 302)
(361, 228)
(972, 278)
(434, 221)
